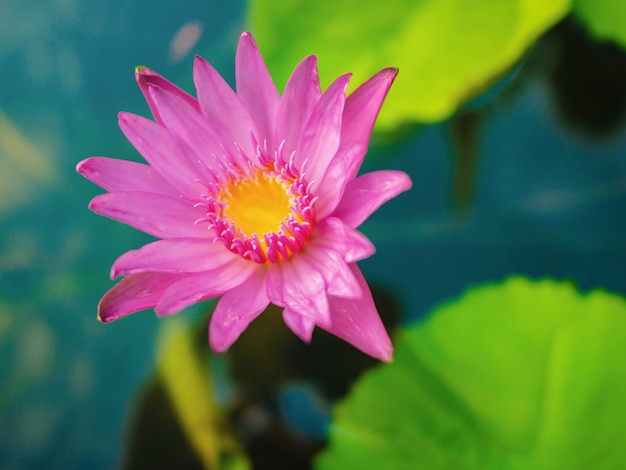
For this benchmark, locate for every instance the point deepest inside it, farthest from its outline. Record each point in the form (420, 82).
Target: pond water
(547, 201)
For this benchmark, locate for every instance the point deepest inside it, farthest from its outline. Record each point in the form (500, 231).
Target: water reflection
(23, 166)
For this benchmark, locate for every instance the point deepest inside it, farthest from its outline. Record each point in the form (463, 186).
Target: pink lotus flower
(254, 197)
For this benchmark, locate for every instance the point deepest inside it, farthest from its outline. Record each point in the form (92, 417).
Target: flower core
(263, 213)
(256, 204)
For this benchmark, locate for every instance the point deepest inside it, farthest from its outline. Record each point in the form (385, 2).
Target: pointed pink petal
(221, 105)
(301, 94)
(256, 88)
(158, 215)
(320, 139)
(157, 147)
(178, 255)
(331, 188)
(337, 275)
(332, 233)
(301, 325)
(358, 323)
(236, 309)
(207, 285)
(274, 286)
(134, 293)
(196, 137)
(304, 291)
(123, 175)
(146, 77)
(367, 193)
(362, 107)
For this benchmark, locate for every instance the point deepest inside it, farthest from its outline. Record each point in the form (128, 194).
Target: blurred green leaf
(447, 50)
(606, 19)
(187, 383)
(522, 375)
(178, 423)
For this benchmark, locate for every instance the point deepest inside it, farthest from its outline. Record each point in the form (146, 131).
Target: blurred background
(518, 166)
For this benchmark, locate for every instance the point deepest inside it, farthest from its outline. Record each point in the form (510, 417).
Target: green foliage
(606, 19)
(177, 423)
(522, 375)
(447, 50)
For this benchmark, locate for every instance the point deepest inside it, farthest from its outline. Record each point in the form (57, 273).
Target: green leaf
(606, 19)
(189, 388)
(177, 422)
(522, 375)
(447, 50)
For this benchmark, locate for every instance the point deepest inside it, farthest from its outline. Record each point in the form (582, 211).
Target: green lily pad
(521, 375)
(606, 19)
(447, 50)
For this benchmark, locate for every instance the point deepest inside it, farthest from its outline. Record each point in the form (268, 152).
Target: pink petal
(158, 215)
(256, 88)
(178, 255)
(196, 137)
(358, 323)
(157, 147)
(320, 139)
(362, 107)
(134, 293)
(123, 175)
(367, 193)
(221, 105)
(301, 325)
(236, 309)
(331, 188)
(146, 77)
(274, 286)
(304, 290)
(199, 287)
(332, 233)
(337, 276)
(301, 94)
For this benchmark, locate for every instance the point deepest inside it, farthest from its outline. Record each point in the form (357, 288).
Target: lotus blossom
(254, 197)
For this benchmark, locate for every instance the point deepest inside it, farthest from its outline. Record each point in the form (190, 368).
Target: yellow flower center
(257, 204)
(265, 215)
